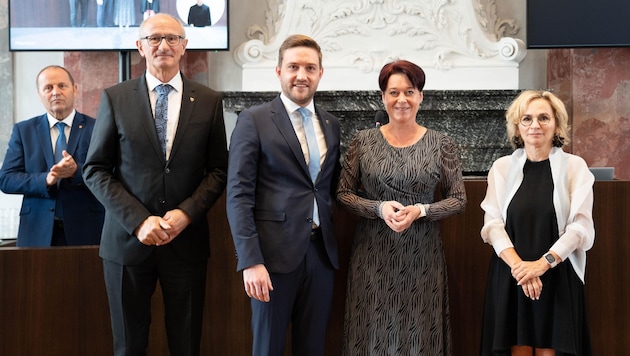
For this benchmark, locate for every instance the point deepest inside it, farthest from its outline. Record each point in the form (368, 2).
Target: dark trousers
(302, 298)
(59, 234)
(129, 290)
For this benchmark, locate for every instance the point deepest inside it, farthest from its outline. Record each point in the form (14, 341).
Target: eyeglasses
(543, 119)
(155, 41)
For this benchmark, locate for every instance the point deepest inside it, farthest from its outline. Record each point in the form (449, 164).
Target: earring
(517, 141)
(558, 141)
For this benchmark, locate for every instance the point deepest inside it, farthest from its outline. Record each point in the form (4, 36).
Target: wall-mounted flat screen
(103, 25)
(578, 23)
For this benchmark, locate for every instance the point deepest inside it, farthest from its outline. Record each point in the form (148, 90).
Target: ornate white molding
(445, 37)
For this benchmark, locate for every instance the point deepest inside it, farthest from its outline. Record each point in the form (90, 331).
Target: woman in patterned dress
(538, 218)
(397, 296)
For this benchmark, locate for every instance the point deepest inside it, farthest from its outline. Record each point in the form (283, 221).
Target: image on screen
(103, 25)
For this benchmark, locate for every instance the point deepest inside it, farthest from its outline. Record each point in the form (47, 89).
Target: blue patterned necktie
(60, 146)
(313, 153)
(161, 113)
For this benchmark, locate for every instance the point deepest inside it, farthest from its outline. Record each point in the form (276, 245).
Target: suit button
(167, 170)
(161, 200)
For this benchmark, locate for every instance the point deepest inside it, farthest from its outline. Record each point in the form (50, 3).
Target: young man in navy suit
(282, 176)
(57, 209)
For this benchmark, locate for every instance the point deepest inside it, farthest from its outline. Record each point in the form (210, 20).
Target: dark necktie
(60, 146)
(161, 113)
(313, 153)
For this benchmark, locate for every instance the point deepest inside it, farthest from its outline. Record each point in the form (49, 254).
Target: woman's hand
(523, 271)
(532, 288)
(397, 216)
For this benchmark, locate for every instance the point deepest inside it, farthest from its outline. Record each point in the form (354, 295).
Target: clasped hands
(397, 216)
(65, 168)
(527, 275)
(158, 231)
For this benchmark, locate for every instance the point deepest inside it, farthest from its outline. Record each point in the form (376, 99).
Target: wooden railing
(53, 301)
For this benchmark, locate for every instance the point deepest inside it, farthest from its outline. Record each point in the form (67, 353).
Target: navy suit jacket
(26, 164)
(128, 173)
(270, 192)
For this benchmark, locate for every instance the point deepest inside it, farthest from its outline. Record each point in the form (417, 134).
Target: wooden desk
(53, 301)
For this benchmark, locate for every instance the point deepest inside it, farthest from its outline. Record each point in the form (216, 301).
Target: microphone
(381, 118)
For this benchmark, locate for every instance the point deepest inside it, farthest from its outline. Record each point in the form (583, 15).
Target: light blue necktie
(313, 153)
(60, 146)
(161, 113)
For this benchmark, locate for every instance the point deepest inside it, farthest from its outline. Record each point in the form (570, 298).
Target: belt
(316, 233)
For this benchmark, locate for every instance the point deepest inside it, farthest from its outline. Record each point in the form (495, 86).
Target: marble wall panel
(595, 84)
(475, 119)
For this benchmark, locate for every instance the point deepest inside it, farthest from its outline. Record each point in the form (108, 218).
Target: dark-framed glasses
(543, 119)
(155, 40)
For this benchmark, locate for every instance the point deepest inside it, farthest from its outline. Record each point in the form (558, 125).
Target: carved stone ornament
(447, 38)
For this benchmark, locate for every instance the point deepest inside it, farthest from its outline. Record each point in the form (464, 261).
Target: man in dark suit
(282, 176)
(57, 209)
(199, 15)
(157, 162)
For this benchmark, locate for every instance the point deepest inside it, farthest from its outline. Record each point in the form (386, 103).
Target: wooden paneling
(53, 301)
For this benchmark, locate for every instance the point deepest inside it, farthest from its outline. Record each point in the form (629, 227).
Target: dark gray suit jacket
(126, 169)
(270, 192)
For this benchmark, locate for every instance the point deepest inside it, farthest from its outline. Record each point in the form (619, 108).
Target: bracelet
(379, 210)
(423, 210)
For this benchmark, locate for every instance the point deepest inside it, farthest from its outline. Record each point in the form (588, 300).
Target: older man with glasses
(158, 163)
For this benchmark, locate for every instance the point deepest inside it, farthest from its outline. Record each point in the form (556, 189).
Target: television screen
(50, 25)
(578, 23)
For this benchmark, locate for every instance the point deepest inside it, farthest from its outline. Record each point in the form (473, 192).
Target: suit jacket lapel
(145, 114)
(280, 117)
(324, 123)
(75, 132)
(43, 133)
(185, 114)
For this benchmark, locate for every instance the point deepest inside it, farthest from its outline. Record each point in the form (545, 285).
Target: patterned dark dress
(397, 294)
(558, 319)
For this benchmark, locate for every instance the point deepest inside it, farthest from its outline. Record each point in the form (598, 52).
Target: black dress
(558, 319)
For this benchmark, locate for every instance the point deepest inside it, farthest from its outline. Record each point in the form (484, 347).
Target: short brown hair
(298, 41)
(412, 71)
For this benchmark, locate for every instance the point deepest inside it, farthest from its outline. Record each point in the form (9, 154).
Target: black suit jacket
(270, 192)
(126, 169)
(26, 164)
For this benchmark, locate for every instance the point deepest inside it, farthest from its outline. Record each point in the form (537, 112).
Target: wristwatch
(551, 260)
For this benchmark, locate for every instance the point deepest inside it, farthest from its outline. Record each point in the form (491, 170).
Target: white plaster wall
(227, 75)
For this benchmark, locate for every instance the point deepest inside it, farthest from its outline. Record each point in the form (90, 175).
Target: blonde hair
(518, 107)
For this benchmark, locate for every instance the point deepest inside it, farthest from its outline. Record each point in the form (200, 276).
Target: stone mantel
(461, 44)
(474, 118)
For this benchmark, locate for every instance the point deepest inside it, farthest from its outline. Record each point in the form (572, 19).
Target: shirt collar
(290, 106)
(153, 82)
(66, 120)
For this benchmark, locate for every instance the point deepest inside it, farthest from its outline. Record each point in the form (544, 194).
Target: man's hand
(257, 282)
(174, 222)
(65, 168)
(150, 231)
